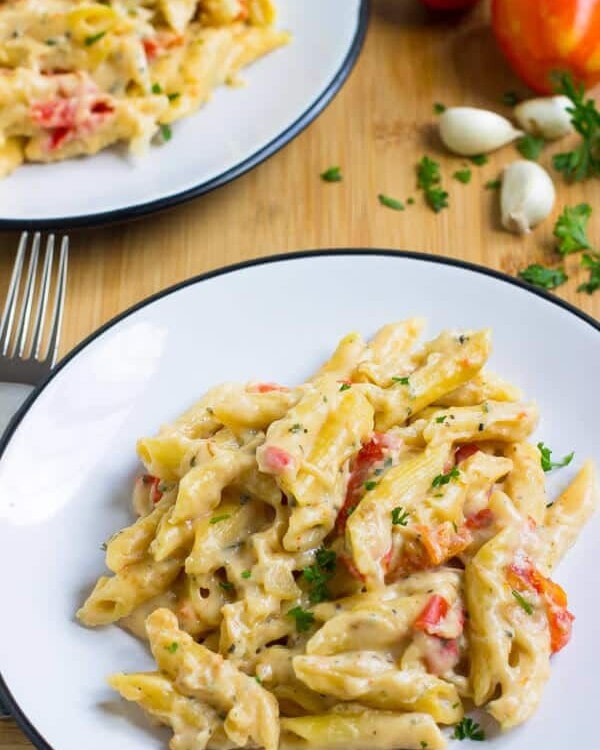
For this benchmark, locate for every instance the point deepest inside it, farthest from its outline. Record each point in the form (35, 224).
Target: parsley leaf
(441, 419)
(546, 458)
(319, 575)
(531, 146)
(166, 132)
(370, 485)
(467, 729)
(172, 647)
(333, 174)
(510, 98)
(493, 185)
(463, 175)
(173, 96)
(226, 585)
(400, 516)
(156, 88)
(390, 202)
(522, 602)
(304, 618)
(246, 573)
(479, 160)
(439, 108)
(570, 229)
(402, 381)
(218, 519)
(345, 386)
(546, 278)
(592, 263)
(429, 180)
(584, 160)
(442, 479)
(93, 38)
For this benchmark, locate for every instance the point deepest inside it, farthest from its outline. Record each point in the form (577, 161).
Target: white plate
(69, 459)
(235, 131)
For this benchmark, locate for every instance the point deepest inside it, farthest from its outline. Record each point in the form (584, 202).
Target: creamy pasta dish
(77, 76)
(354, 562)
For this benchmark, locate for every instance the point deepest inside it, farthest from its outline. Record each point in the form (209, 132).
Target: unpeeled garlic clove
(469, 131)
(527, 196)
(546, 116)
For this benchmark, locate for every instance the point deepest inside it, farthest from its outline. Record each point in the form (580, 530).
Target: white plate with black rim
(235, 131)
(68, 459)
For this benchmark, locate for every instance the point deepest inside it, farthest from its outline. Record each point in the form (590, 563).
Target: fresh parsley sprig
(591, 262)
(429, 180)
(442, 479)
(546, 278)
(531, 146)
(304, 618)
(467, 729)
(546, 458)
(584, 161)
(571, 229)
(319, 574)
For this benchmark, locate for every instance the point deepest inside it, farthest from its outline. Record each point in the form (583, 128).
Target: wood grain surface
(376, 129)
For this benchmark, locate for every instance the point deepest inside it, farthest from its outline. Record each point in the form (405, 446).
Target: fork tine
(59, 301)
(38, 329)
(25, 315)
(10, 305)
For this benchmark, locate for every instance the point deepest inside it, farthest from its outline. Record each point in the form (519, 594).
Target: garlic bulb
(527, 196)
(546, 117)
(469, 131)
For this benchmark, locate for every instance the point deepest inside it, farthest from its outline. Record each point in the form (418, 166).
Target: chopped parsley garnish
(246, 573)
(218, 519)
(400, 516)
(493, 185)
(370, 485)
(429, 180)
(522, 602)
(479, 160)
(410, 201)
(156, 88)
(257, 678)
(304, 618)
(295, 428)
(402, 381)
(571, 229)
(439, 108)
(392, 203)
(442, 479)
(51, 42)
(441, 419)
(546, 458)
(530, 146)
(510, 98)
(546, 278)
(226, 585)
(345, 386)
(424, 744)
(166, 132)
(89, 40)
(319, 575)
(172, 647)
(467, 729)
(173, 96)
(333, 174)
(584, 160)
(591, 262)
(463, 175)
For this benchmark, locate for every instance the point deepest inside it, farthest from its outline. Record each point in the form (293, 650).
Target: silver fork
(22, 361)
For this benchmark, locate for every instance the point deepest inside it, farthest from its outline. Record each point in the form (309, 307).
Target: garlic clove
(546, 116)
(469, 131)
(527, 196)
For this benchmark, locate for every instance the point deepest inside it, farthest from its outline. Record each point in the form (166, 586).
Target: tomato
(154, 482)
(481, 520)
(370, 453)
(432, 614)
(540, 37)
(449, 4)
(465, 451)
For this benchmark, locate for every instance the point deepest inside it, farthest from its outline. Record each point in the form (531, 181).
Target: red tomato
(465, 451)
(449, 4)
(540, 37)
(369, 454)
(432, 614)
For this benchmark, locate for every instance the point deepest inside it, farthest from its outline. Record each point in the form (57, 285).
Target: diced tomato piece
(442, 655)
(155, 493)
(266, 387)
(101, 108)
(432, 614)
(465, 451)
(276, 460)
(370, 453)
(151, 48)
(58, 136)
(56, 113)
(244, 12)
(443, 542)
(481, 520)
(387, 558)
(524, 575)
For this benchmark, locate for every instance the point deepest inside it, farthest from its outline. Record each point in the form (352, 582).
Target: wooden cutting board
(376, 129)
